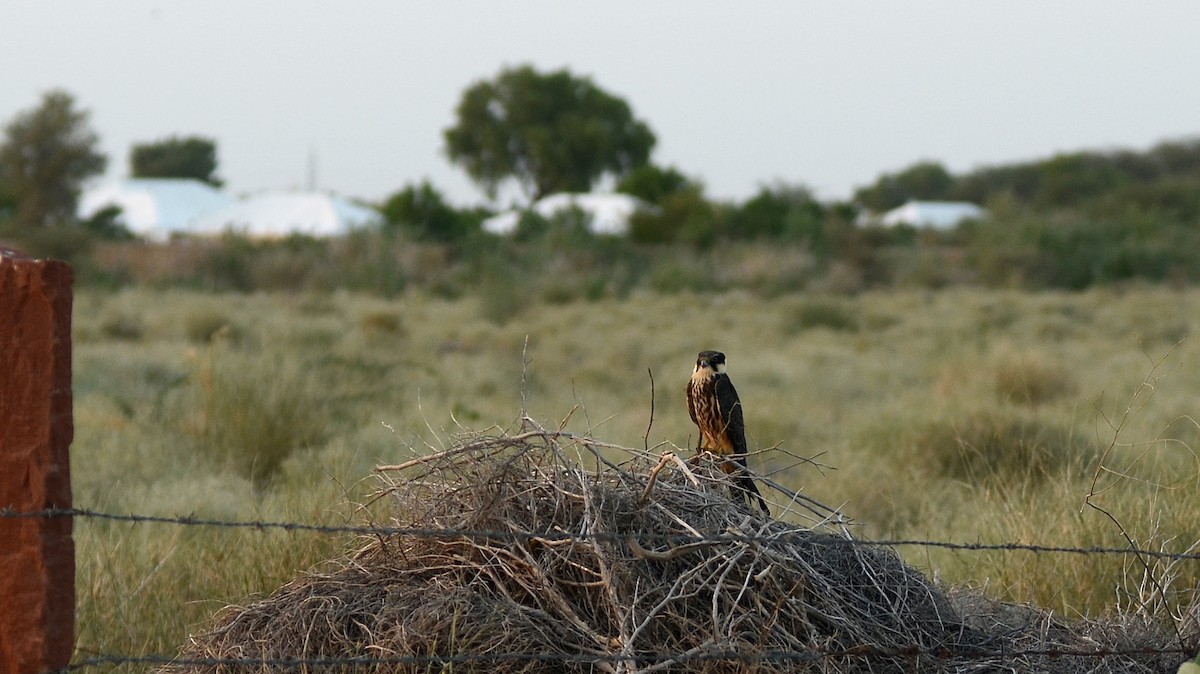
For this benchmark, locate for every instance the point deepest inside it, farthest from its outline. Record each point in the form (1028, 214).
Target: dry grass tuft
(1030, 379)
(591, 557)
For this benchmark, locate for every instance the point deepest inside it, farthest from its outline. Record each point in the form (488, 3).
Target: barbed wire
(864, 651)
(594, 536)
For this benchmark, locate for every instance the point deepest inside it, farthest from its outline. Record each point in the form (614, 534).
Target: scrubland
(961, 415)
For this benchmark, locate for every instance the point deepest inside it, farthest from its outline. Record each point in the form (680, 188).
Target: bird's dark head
(710, 360)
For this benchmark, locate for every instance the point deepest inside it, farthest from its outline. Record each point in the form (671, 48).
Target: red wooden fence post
(37, 555)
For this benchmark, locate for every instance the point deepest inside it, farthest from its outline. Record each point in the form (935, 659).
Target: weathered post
(37, 554)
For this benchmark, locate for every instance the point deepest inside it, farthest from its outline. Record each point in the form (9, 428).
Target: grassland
(959, 415)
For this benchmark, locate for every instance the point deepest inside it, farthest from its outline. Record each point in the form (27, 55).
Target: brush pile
(546, 551)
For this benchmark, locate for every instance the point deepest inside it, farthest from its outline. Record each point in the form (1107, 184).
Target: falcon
(716, 409)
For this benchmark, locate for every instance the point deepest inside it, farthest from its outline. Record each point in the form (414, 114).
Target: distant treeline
(1164, 178)
(1070, 221)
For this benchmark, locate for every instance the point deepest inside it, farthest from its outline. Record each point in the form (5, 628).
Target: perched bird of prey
(717, 410)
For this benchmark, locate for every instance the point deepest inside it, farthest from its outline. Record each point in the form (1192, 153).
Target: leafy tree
(46, 155)
(174, 157)
(422, 209)
(784, 211)
(1177, 158)
(924, 180)
(551, 132)
(652, 183)
(106, 224)
(684, 216)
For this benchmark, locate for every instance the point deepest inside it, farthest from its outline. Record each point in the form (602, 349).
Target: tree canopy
(46, 155)
(779, 212)
(174, 157)
(423, 210)
(652, 183)
(551, 132)
(927, 180)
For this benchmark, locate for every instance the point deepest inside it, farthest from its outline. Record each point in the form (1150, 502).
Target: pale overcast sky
(826, 94)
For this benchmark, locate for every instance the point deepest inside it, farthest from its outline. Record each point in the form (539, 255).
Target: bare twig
(666, 458)
(524, 372)
(646, 437)
(1143, 392)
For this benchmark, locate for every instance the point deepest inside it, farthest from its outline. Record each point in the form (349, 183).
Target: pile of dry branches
(548, 552)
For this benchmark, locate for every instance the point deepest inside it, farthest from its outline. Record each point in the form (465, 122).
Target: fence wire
(640, 661)
(865, 651)
(595, 536)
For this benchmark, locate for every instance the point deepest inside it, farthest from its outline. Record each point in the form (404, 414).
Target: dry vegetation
(582, 556)
(958, 415)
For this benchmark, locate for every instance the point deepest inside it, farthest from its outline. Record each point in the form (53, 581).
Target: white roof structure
(278, 214)
(933, 214)
(609, 212)
(154, 208)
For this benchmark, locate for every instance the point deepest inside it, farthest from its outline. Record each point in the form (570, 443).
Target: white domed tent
(154, 208)
(278, 214)
(933, 214)
(608, 213)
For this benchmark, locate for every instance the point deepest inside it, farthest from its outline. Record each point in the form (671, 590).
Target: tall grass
(249, 411)
(959, 415)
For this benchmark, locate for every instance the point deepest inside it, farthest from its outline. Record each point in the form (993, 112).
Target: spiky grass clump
(537, 552)
(250, 414)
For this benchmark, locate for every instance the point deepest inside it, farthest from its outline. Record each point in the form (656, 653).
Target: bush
(684, 217)
(423, 210)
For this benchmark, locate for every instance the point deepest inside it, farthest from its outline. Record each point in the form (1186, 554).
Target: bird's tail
(746, 485)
